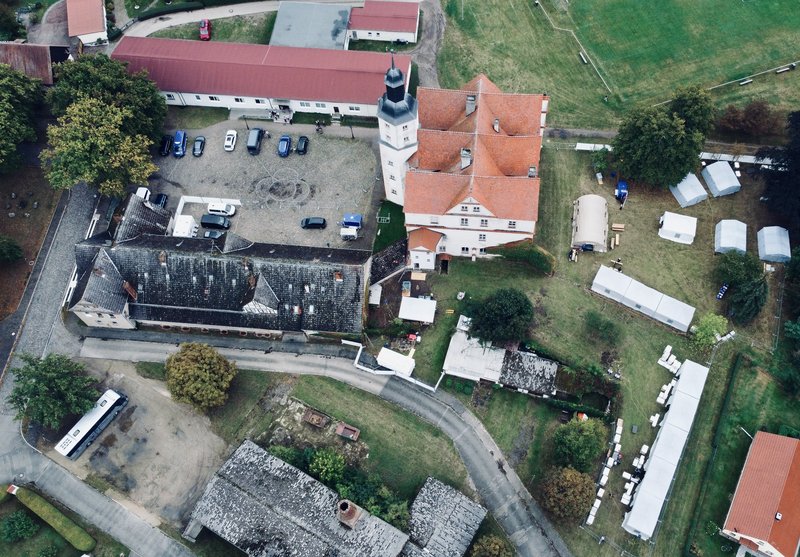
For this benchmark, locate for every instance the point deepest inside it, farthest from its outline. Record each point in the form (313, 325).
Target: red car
(205, 30)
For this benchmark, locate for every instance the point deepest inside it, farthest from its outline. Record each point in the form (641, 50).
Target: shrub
(288, 454)
(601, 329)
(18, 526)
(504, 315)
(709, 326)
(65, 527)
(578, 444)
(328, 466)
(50, 551)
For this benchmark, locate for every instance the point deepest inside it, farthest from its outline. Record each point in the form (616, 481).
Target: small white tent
(678, 228)
(689, 191)
(730, 235)
(590, 222)
(773, 244)
(721, 179)
(611, 284)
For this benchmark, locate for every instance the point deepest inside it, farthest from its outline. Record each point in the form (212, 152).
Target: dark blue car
(179, 145)
(284, 146)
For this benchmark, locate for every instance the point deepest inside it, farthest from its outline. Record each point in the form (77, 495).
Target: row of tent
(773, 241)
(720, 178)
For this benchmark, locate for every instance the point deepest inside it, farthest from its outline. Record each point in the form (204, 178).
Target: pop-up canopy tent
(773, 244)
(590, 222)
(730, 235)
(678, 228)
(689, 191)
(721, 179)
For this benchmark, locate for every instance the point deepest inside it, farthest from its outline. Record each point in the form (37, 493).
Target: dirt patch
(522, 443)
(608, 357)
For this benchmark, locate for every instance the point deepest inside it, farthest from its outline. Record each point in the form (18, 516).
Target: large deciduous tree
(48, 390)
(504, 315)
(748, 286)
(708, 327)
(695, 107)
(107, 80)
(579, 443)
(783, 178)
(199, 375)
(89, 145)
(568, 494)
(19, 96)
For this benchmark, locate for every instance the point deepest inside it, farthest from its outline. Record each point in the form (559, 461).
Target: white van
(221, 209)
(144, 193)
(348, 233)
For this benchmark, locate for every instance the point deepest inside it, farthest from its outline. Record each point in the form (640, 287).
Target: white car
(230, 140)
(221, 209)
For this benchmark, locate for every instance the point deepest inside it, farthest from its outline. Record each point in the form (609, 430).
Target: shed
(610, 283)
(730, 235)
(590, 222)
(417, 309)
(689, 191)
(674, 313)
(721, 179)
(396, 361)
(773, 244)
(677, 228)
(642, 298)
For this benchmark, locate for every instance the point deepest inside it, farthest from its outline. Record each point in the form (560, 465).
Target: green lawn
(193, 117)
(404, 450)
(256, 29)
(242, 417)
(152, 370)
(641, 51)
(389, 232)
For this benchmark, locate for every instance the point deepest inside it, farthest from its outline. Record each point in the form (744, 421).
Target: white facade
(421, 258)
(94, 38)
(102, 318)
(398, 143)
(267, 104)
(373, 35)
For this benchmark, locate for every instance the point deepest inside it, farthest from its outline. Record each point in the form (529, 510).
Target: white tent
(678, 228)
(689, 191)
(396, 361)
(773, 244)
(611, 284)
(721, 179)
(674, 313)
(730, 235)
(642, 298)
(417, 309)
(590, 222)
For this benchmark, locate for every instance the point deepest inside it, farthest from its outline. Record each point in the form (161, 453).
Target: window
(355, 108)
(405, 139)
(305, 104)
(464, 250)
(377, 34)
(391, 177)
(320, 105)
(390, 163)
(481, 237)
(170, 97)
(464, 222)
(261, 101)
(512, 224)
(369, 33)
(405, 127)
(442, 247)
(482, 251)
(476, 209)
(464, 208)
(213, 98)
(197, 97)
(434, 220)
(484, 223)
(386, 126)
(394, 192)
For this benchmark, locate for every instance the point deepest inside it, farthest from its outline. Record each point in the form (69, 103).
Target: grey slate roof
(528, 371)
(100, 286)
(443, 520)
(138, 217)
(268, 508)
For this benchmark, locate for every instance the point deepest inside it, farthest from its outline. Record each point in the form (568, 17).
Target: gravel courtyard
(336, 176)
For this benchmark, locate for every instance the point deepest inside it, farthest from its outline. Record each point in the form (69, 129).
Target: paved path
(428, 43)
(53, 28)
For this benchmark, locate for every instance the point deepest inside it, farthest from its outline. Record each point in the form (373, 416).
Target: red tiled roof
(252, 70)
(85, 17)
(424, 238)
(377, 15)
(498, 175)
(769, 484)
(31, 59)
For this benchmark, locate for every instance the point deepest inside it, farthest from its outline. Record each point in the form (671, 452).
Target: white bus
(92, 424)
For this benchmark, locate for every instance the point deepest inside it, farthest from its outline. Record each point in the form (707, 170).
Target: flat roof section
(311, 25)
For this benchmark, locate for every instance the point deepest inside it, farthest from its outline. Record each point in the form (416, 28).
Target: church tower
(398, 123)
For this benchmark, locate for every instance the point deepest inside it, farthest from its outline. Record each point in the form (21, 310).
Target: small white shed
(730, 235)
(590, 222)
(417, 309)
(678, 228)
(773, 244)
(721, 179)
(689, 191)
(397, 362)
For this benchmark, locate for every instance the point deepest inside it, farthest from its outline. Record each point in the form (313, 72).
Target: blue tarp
(352, 220)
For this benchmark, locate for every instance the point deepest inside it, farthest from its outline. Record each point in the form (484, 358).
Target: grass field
(241, 417)
(391, 231)
(256, 29)
(193, 117)
(643, 52)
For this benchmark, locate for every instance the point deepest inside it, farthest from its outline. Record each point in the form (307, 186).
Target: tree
(653, 146)
(107, 80)
(491, 546)
(199, 375)
(694, 106)
(10, 28)
(89, 145)
(49, 551)
(756, 119)
(783, 178)
(19, 95)
(735, 268)
(746, 300)
(708, 327)
(19, 526)
(9, 250)
(48, 390)
(568, 494)
(328, 466)
(578, 444)
(504, 315)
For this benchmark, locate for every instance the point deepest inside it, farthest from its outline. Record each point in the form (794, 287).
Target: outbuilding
(397, 362)
(721, 179)
(420, 310)
(677, 228)
(590, 222)
(689, 191)
(730, 235)
(773, 244)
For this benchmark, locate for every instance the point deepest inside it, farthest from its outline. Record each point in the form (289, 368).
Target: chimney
(532, 172)
(466, 158)
(496, 125)
(471, 103)
(348, 513)
(126, 286)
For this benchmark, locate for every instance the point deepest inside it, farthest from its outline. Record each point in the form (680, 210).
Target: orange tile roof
(85, 17)
(498, 174)
(424, 238)
(769, 484)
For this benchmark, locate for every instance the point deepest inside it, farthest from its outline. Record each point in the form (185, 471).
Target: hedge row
(67, 529)
(171, 9)
(564, 405)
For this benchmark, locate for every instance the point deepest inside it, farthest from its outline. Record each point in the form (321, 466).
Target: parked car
(161, 200)
(213, 234)
(205, 30)
(222, 209)
(313, 222)
(166, 145)
(284, 146)
(179, 145)
(302, 145)
(254, 141)
(230, 140)
(144, 193)
(215, 221)
(199, 145)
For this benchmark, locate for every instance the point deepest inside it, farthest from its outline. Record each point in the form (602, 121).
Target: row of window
(465, 250)
(484, 223)
(171, 97)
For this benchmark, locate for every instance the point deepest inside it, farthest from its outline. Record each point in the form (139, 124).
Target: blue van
(179, 145)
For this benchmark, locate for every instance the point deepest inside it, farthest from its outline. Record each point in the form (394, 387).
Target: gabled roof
(261, 71)
(769, 484)
(85, 17)
(385, 16)
(101, 286)
(424, 238)
(138, 217)
(31, 59)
